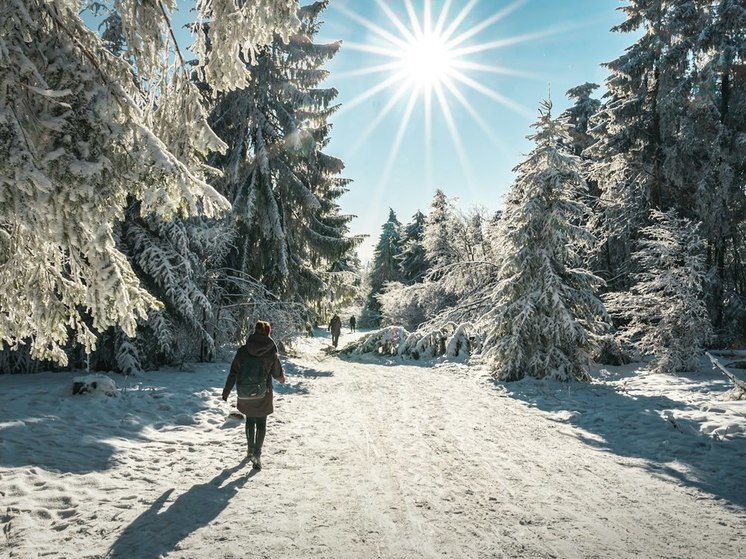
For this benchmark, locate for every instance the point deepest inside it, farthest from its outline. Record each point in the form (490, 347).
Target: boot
(258, 443)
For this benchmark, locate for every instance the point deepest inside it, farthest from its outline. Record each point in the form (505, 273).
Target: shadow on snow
(638, 426)
(156, 532)
(42, 424)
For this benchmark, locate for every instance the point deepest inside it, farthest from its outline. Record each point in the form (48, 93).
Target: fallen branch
(739, 386)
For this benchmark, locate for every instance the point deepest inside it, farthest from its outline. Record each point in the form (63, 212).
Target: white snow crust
(374, 458)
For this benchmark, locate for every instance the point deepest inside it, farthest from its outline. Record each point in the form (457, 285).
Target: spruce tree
(413, 262)
(629, 152)
(438, 233)
(289, 231)
(81, 134)
(545, 312)
(707, 160)
(384, 268)
(663, 314)
(578, 116)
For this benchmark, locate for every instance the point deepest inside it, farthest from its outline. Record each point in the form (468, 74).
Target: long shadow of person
(155, 532)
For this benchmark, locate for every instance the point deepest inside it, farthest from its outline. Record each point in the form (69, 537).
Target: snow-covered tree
(663, 314)
(384, 268)
(452, 341)
(578, 116)
(237, 32)
(174, 260)
(402, 305)
(706, 162)
(413, 261)
(289, 231)
(628, 156)
(545, 312)
(439, 232)
(82, 131)
(449, 292)
(668, 138)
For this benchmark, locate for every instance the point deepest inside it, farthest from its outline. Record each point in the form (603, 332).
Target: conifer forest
(155, 202)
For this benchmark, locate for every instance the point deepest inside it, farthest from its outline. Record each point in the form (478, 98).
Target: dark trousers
(256, 428)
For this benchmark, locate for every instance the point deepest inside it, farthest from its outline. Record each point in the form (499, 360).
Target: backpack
(251, 383)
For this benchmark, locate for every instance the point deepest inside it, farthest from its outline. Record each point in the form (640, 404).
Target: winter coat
(258, 345)
(335, 326)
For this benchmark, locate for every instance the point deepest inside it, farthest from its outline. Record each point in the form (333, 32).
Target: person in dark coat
(353, 322)
(258, 346)
(335, 327)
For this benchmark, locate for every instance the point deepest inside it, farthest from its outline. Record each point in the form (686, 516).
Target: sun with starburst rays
(427, 60)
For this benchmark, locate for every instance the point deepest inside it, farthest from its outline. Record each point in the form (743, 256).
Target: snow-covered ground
(371, 459)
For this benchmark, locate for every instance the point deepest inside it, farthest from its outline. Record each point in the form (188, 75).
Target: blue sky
(561, 44)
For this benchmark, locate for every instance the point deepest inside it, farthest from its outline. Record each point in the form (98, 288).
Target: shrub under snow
(454, 341)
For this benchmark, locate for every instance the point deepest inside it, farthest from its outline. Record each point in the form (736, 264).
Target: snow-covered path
(361, 460)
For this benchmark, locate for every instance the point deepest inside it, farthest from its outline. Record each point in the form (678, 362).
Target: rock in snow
(94, 384)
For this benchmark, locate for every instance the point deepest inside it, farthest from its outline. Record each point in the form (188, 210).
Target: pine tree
(289, 231)
(545, 313)
(384, 268)
(413, 262)
(578, 117)
(663, 314)
(629, 151)
(438, 233)
(81, 133)
(707, 161)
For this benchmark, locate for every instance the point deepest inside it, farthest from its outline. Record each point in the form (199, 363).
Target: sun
(427, 61)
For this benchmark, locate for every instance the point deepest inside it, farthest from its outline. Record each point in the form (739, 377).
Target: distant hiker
(335, 327)
(255, 364)
(352, 323)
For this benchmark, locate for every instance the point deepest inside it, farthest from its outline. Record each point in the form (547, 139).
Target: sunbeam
(456, 137)
(472, 31)
(431, 55)
(399, 137)
(494, 95)
(374, 124)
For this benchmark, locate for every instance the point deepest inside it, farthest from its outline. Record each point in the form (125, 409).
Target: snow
(375, 458)
(95, 384)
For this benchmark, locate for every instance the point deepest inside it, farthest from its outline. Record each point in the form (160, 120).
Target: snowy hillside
(372, 459)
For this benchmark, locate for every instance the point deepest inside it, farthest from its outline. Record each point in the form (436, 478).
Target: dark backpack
(251, 383)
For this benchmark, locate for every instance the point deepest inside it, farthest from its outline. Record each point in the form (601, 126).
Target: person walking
(353, 322)
(255, 365)
(335, 327)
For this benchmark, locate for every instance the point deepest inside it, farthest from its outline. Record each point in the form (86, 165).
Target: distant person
(353, 322)
(335, 327)
(255, 364)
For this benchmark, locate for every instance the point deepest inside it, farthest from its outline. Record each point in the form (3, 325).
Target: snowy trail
(361, 460)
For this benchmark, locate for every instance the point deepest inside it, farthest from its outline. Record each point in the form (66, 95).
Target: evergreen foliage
(667, 138)
(453, 290)
(384, 268)
(545, 313)
(82, 131)
(452, 341)
(438, 233)
(663, 314)
(289, 231)
(578, 117)
(413, 262)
